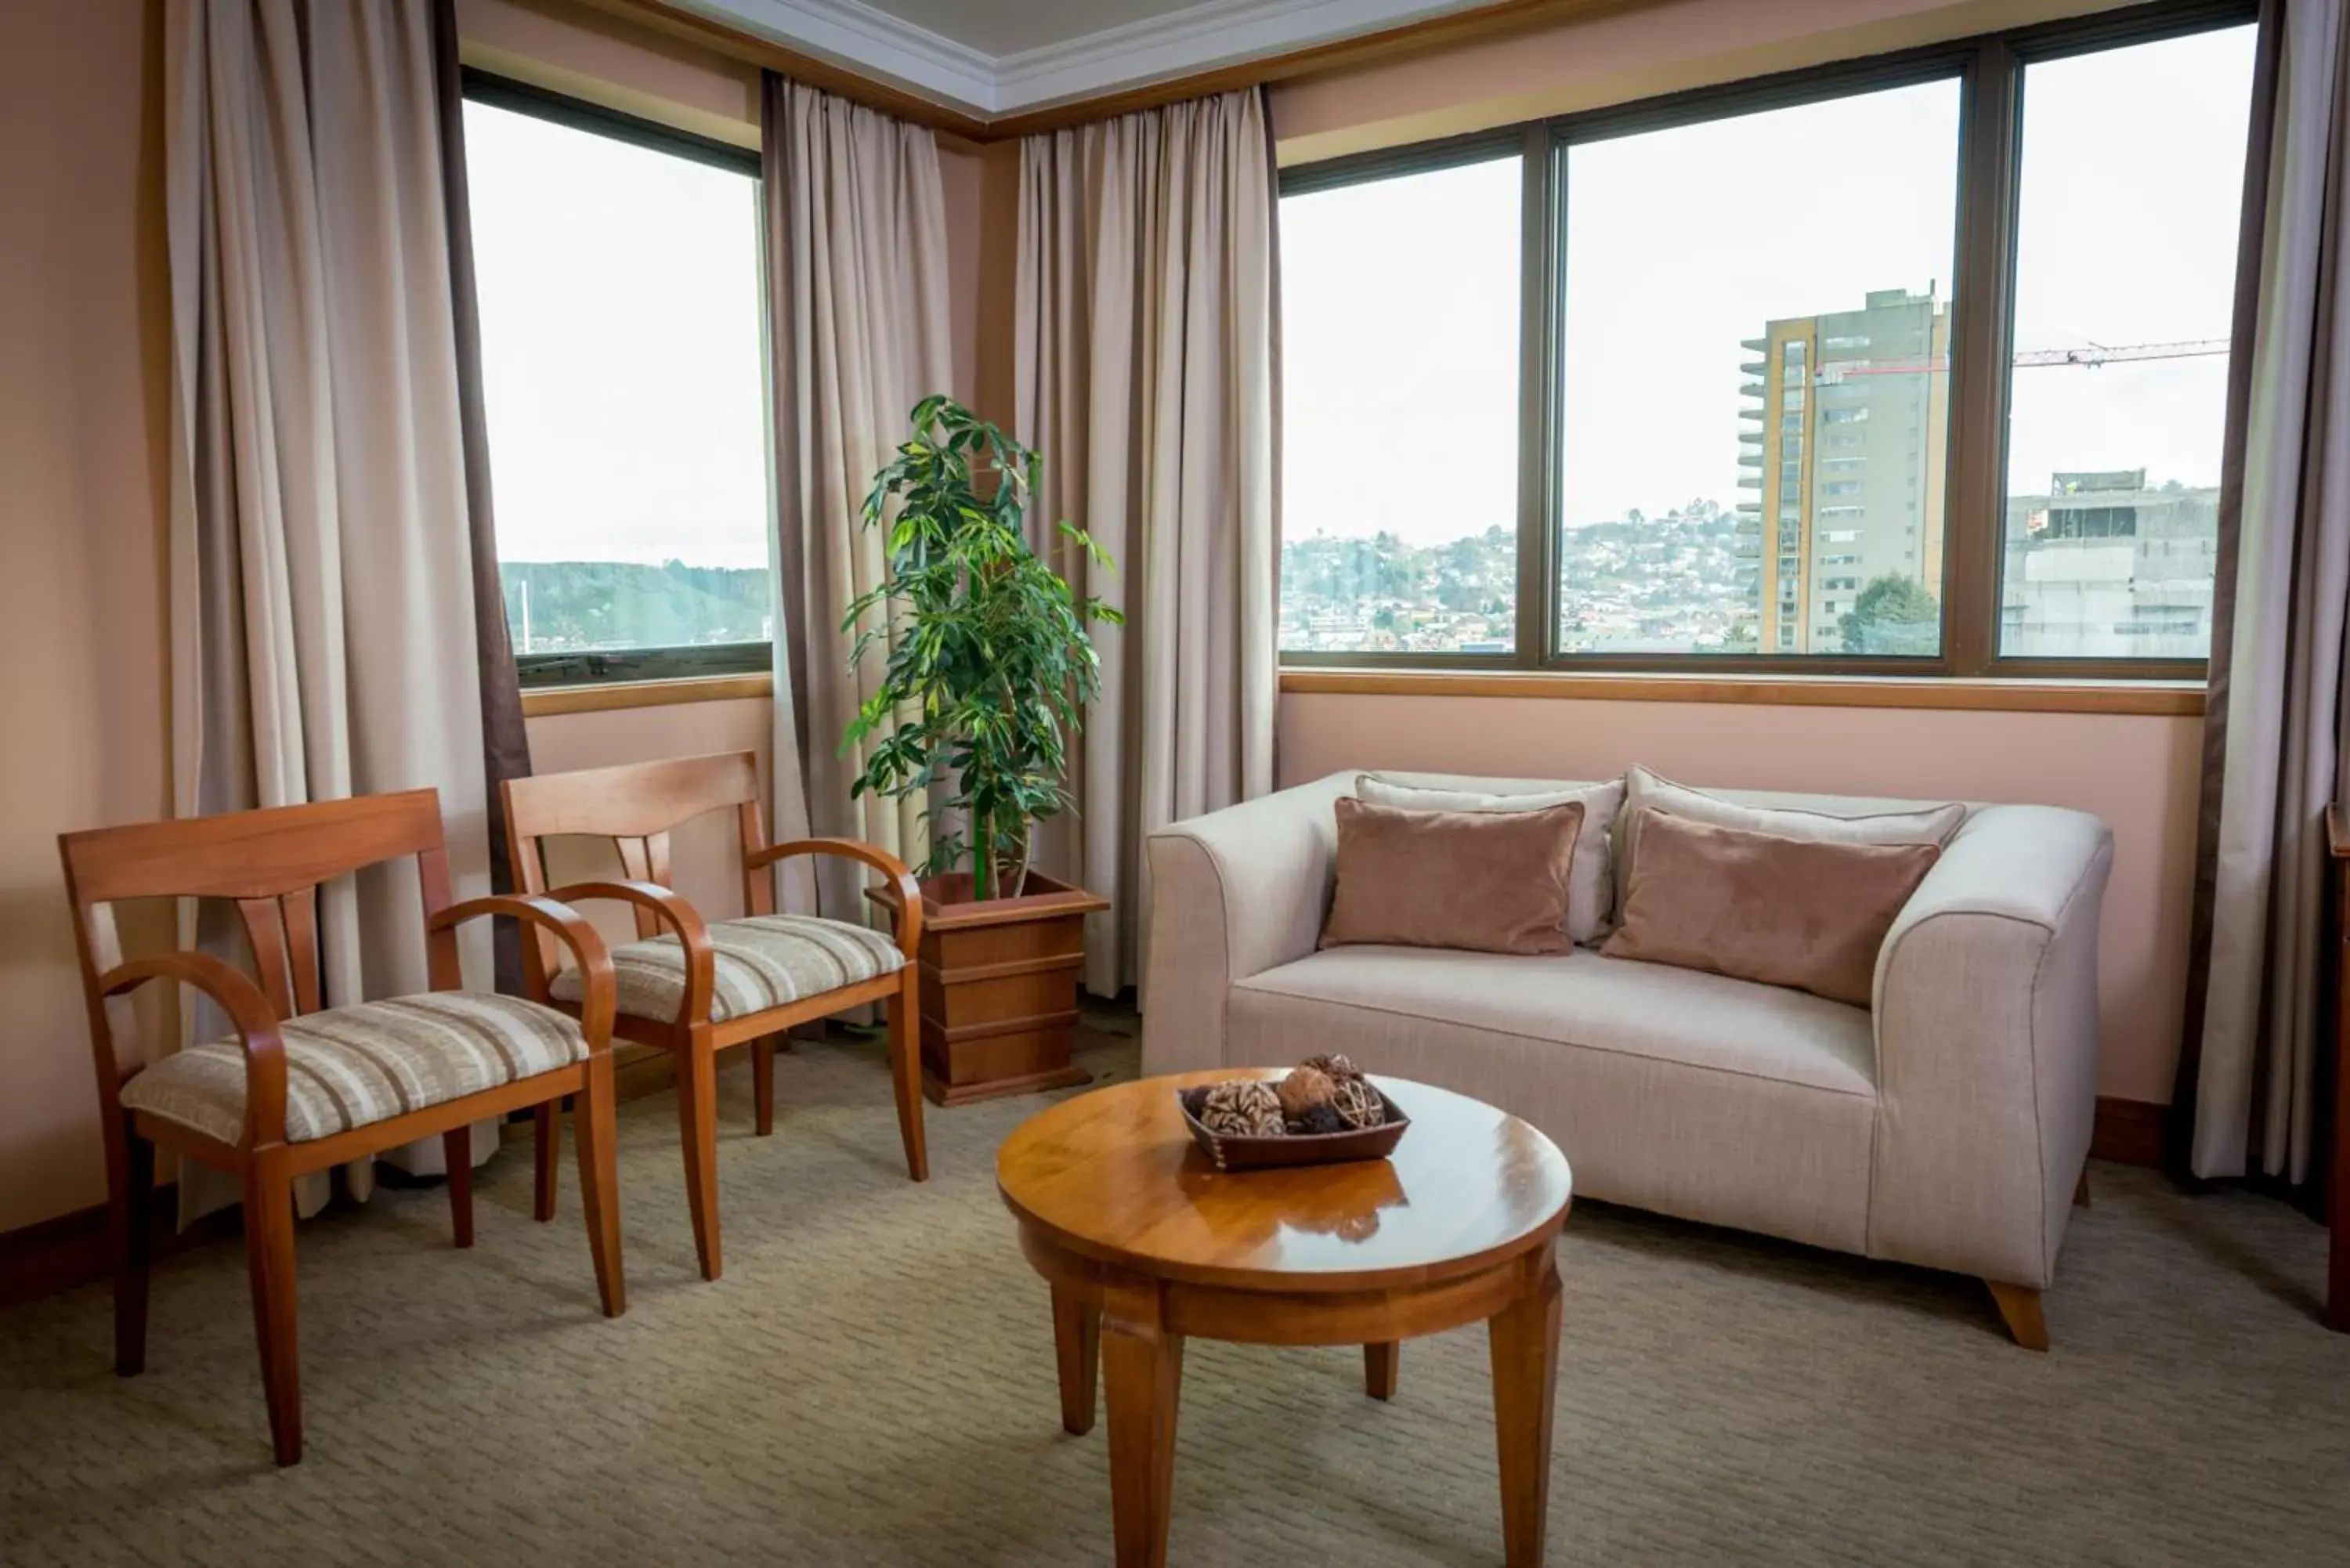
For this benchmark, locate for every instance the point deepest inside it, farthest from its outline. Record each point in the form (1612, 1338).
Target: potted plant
(989, 668)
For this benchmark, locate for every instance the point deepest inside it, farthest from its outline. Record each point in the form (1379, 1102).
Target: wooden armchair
(304, 1088)
(701, 988)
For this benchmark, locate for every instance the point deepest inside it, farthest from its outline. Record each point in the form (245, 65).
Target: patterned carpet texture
(871, 1384)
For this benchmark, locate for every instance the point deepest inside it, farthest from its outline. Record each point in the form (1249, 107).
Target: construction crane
(2091, 357)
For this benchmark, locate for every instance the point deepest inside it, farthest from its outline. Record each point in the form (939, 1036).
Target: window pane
(2126, 261)
(1754, 401)
(1400, 413)
(621, 369)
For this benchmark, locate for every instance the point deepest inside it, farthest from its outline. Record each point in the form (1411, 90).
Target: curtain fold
(506, 740)
(1144, 374)
(2275, 749)
(323, 615)
(856, 312)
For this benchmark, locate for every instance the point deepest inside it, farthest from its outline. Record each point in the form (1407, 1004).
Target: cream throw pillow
(1644, 789)
(1591, 887)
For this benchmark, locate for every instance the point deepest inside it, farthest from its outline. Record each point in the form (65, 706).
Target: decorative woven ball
(1321, 1118)
(1357, 1103)
(1335, 1068)
(1247, 1108)
(1305, 1089)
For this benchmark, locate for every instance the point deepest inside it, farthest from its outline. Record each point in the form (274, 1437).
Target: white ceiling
(991, 57)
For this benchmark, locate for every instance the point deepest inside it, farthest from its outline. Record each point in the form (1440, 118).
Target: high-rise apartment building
(1850, 426)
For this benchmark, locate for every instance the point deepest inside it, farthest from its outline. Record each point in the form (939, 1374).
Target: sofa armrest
(1986, 1023)
(1233, 894)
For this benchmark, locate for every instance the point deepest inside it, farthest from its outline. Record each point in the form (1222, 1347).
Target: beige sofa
(1946, 1127)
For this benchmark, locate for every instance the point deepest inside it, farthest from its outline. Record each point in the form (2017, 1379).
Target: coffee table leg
(1381, 1361)
(1144, 1364)
(1524, 1337)
(1076, 1345)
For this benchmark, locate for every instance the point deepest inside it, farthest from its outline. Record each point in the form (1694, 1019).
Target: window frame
(1988, 69)
(685, 662)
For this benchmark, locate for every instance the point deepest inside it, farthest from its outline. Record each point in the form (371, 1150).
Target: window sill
(2172, 699)
(612, 695)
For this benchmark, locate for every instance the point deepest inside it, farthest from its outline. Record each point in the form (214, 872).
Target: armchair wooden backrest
(271, 863)
(636, 805)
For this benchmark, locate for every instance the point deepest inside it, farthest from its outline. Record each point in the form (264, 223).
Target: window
(1639, 324)
(1400, 412)
(618, 267)
(2118, 399)
(1523, 429)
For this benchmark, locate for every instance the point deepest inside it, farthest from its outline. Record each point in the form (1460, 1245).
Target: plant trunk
(997, 876)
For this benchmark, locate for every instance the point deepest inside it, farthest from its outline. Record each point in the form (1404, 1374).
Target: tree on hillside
(1894, 614)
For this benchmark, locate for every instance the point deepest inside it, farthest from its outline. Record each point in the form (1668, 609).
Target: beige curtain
(1145, 376)
(2274, 732)
(856, 281)
(323, 638)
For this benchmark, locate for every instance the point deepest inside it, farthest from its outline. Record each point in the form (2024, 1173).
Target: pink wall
(84, 389)
(2138, 773)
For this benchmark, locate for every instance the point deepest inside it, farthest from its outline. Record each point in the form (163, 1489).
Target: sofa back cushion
(1805, 912)
(1485, 881)
(1590, 880)
(1836, 822)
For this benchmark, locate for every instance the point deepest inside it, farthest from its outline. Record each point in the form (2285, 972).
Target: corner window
(1788, 435)
(618, 268)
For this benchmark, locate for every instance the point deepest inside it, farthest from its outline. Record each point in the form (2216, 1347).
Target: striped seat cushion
(349, 1066)
(763, 962)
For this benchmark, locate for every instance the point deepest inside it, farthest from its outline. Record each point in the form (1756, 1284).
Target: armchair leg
(599, 1181)
(457, 1154)
(546, 1149)
(906, 1069)
(697, 1117)
(2019, 1308)
(763, 1082)
(269, 1259)
(132, 1198)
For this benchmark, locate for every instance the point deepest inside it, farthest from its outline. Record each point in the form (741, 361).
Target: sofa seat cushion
(1670, 1089)
(351, 1066)
(760, 962)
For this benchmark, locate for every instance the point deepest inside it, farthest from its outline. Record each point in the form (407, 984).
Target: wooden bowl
(1234, 1153)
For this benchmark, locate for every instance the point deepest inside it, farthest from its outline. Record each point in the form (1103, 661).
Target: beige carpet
(871, 1384)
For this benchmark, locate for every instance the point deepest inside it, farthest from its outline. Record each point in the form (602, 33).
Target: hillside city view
(1753, 439)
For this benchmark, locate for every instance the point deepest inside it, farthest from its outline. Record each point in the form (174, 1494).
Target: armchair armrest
(599, 995)
(1233, 894)
(1987, 1035)
(257, 1028)
(683, 920)
(908, 902)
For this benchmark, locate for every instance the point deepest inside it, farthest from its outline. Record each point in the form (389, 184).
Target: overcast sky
(1400, 305)
(621, 347)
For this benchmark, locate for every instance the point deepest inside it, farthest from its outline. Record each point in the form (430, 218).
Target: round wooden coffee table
(1145, 1243)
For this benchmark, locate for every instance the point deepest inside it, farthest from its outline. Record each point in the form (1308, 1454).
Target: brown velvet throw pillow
(1758, 906)
(1492, 882)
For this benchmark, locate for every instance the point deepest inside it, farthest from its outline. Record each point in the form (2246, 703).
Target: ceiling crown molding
(867, 40)
(1196, 37)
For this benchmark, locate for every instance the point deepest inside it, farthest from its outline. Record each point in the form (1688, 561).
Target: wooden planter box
(999, 986)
